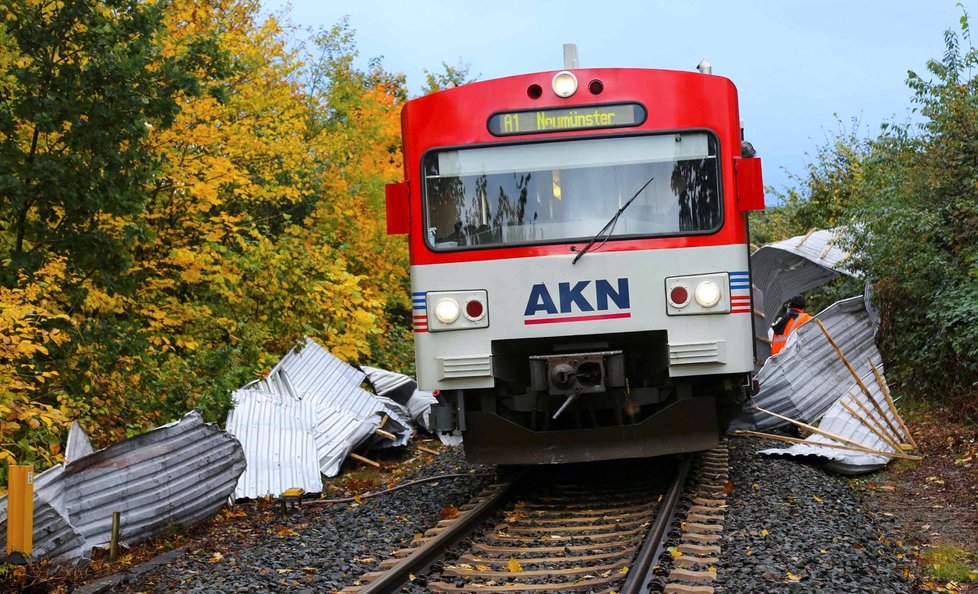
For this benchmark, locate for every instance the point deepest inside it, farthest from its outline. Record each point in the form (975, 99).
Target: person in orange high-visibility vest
(794, 316)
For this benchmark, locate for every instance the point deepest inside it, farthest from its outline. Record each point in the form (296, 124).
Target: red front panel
(674, 101)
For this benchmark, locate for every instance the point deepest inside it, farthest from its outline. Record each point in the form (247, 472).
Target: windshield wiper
(610, 224)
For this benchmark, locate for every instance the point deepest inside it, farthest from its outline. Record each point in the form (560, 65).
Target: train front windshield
(552, 192)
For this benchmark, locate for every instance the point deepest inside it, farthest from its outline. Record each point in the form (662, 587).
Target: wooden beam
(785, 438)
(872, 416)
(867, 424)
(364, 460)
(833, 436)
(805, 238)
(855, 375)
(889, 400)
(385, 434)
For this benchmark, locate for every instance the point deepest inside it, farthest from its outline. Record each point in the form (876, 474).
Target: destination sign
(566, 119)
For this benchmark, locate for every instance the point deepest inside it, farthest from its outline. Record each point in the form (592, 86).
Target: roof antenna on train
(704, 67)
(570, 56)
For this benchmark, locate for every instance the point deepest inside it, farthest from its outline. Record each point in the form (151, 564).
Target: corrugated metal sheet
(806, 377)
(276, 432)
(177, 474)
(403, 390)
(787, 268)
(337, 434)
(399, 390)
(840, 421)
(385, 382)
(317, 374)
(78, 444)
(305, 418)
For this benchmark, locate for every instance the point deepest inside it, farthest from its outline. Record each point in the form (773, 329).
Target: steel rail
(640, 572)
(420, 560)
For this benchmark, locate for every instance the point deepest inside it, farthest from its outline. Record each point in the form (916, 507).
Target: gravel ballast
(793, 527)
(322, 548)
(790, 527)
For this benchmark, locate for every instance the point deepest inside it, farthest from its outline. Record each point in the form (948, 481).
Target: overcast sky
(801, 66)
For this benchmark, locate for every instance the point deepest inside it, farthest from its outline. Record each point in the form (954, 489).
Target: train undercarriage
(574, 399)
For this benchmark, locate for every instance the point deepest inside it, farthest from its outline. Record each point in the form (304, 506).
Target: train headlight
(707, 294)
(456, 310)
(700, 294)
(447, 311)
(564, 84)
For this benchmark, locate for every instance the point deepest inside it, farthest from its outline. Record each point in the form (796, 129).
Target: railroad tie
(687, 589)
(689, 575)
(689, 562)
(698, 550)
(710, 501)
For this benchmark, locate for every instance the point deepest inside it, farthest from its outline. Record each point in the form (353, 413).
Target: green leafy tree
(447, 78)
(81, 88)
(918, 232)
(823, 195)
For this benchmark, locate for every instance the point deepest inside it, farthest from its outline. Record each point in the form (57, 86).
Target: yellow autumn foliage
(263, 222)
(32, 326)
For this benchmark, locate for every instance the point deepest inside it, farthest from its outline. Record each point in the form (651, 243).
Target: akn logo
(582, 298)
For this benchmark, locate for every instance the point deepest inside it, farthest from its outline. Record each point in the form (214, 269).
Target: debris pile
(401, 391)
(310, 413)
(807, 377)
(827, 372)
(284, 431)
(177, 474)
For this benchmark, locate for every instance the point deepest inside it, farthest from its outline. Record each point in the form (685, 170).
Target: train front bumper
(688, 425)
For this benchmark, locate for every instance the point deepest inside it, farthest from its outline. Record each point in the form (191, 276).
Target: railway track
(601, 529)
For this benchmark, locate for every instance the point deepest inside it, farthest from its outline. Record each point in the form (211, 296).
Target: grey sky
(801, 67)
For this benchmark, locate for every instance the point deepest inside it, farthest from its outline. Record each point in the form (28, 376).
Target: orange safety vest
(777, 343)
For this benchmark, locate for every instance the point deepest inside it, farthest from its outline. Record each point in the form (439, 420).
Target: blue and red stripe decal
(740, 292)
(419, 311)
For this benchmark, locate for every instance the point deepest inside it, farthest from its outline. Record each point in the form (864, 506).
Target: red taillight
(474, 309)
(679, 296)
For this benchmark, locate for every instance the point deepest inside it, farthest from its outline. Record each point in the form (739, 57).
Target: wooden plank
(805, 238)
(385, 434)
(889, 400)
(869, 421)
(855, 375)
(893, 441)
(836, 446)
(428, 450)
(814, 429)
(364, 460)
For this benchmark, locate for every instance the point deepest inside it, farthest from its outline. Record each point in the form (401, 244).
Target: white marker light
(707, 294)
(564, 84)
(447, 311)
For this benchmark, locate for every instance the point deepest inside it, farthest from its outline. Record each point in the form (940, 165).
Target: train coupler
(577, 373)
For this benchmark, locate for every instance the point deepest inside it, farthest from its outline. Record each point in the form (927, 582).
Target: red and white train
(579, 261)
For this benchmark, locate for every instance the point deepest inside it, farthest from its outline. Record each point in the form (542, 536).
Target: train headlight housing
(564, 84)
(457, 310)
(698, 295)
(707, 294)
(447, 310)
